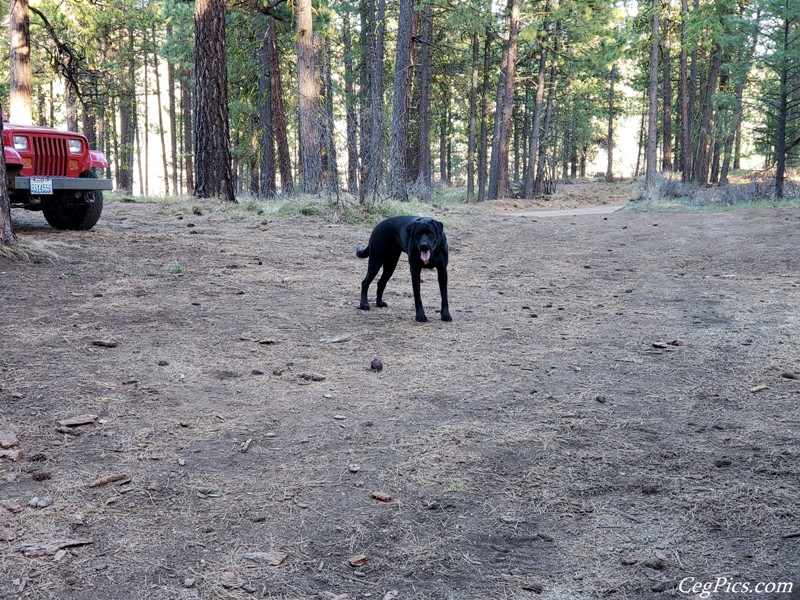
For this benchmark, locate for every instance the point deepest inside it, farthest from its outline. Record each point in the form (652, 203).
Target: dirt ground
(613, 412)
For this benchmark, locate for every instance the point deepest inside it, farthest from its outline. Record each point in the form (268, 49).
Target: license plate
(42, 186)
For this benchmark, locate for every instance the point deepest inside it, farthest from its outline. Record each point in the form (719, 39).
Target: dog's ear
(410, 230)
(439, 226)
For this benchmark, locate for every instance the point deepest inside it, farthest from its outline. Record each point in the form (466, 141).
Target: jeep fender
(99, 160)
(12, 156)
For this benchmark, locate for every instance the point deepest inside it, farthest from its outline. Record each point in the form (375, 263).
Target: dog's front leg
(415, 284)
(442, 272)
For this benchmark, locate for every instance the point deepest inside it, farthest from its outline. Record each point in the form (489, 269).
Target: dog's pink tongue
(425, 256)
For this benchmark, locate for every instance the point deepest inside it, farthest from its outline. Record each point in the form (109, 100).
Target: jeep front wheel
(80, 215)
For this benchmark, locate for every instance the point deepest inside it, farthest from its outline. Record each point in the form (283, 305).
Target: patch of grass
(177, 270)
(71, 272)
(27, 251)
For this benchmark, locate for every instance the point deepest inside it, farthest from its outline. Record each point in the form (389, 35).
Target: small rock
(8, 439)
(37, 502)
(376, 365)
(188, 582)
(354, 467)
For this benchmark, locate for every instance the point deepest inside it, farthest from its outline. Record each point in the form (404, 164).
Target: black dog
(423, 240)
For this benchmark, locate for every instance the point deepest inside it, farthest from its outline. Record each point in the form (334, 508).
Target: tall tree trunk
(375, 38)
(702, 158)
(444, 128)
(610, 133)
(331, 167)
(540, 168)
(266, 181)
(424, 182)
(351, 114)
(686, 121)
(399, 129)
(783, 108)
(21, 106)
(483, 144)
(691, 91)
(213, 171)
(278, 111)
(160, 111)
(188, 129)
(127, 121)
(498, 168)
(666, 117)
(473, 117)
(533, 147)
(308, 100)
(144, 173)
(652, 113)
(173, 123)
(7, 235)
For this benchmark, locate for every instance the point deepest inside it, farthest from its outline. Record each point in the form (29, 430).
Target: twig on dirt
(35, 549)
(789, 536)
(335, 340)
(113, 478)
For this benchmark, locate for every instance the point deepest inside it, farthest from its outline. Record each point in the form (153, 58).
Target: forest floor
(613, 412)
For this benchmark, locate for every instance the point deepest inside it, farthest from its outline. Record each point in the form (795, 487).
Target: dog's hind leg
(389, 266)
(372, 270)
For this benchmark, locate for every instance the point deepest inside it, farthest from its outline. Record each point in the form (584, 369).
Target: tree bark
(686, 121)
(652, 113)
(473, 117)
(610, 133)
(533, 147)
(498, 168)
(7, 235)
(374, 29)
(161, 130)
(702, 158)
(351, 114)
(213, 171)
(173, 123)
(666, 116)
(188, 137)
(399, 129)
(783, 110)
(424, 182)
(127, 125)
(540, 168)
(21, 106)
(308, 108)
(266, 177)
(483, 145)
(329, 136)
(278, 111)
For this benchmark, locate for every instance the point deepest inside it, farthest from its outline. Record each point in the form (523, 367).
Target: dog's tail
(362, 253)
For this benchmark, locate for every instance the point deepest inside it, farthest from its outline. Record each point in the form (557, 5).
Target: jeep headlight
(20, 143)
(75, 146)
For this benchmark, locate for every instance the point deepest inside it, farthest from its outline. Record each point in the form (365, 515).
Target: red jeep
(54, 171)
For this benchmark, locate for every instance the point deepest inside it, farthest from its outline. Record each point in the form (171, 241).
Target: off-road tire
(81, 216)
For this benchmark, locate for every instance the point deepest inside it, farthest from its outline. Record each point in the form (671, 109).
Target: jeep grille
(50, 156)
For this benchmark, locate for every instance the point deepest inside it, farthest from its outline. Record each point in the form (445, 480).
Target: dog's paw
(381, 304)
(421, 317)
(446, 315)
(364, 306)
